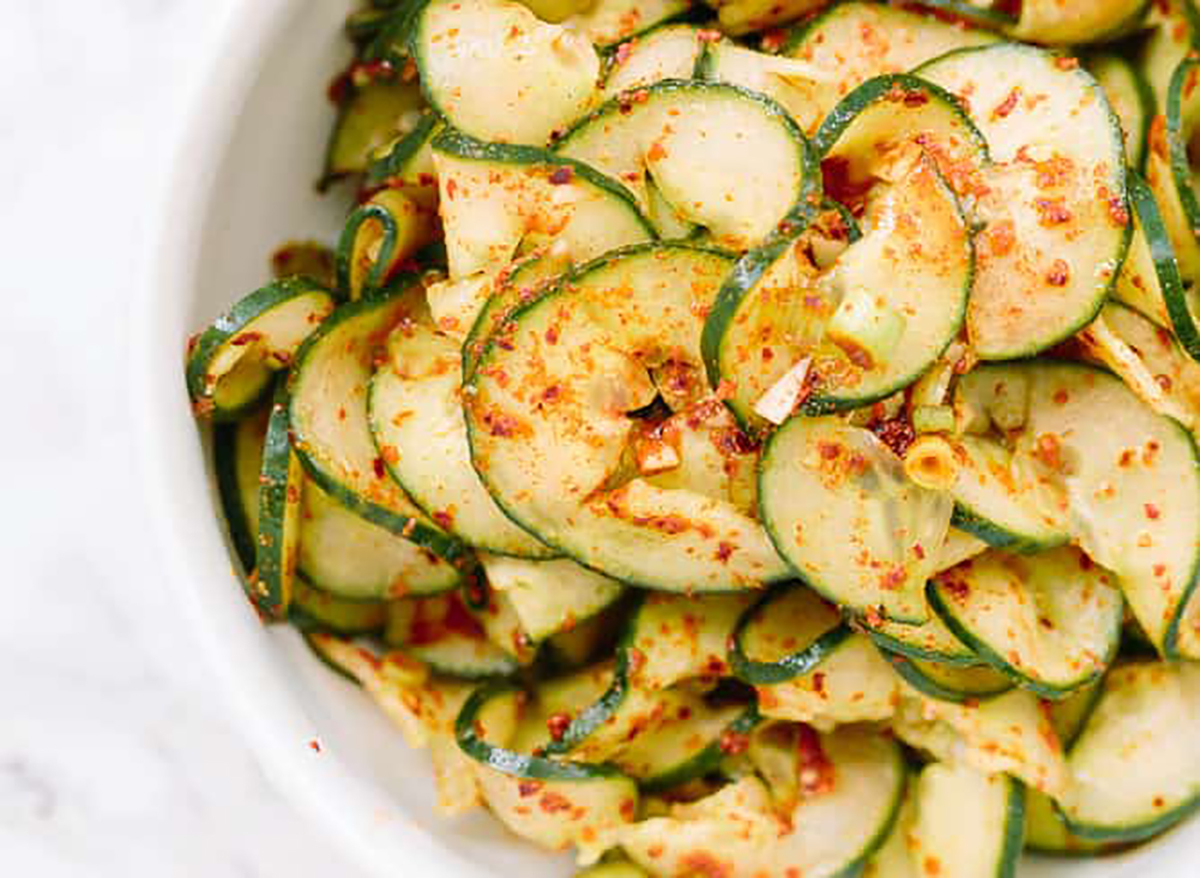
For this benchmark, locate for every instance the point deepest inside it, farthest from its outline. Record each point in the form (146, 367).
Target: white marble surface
(116, 756)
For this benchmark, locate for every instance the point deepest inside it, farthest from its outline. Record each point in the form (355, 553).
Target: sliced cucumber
(547, 416)
(618, 868)
(931, 641)
(380, 237)
(346, 555)
(572, 649)
(1174, 26)
(670, 52)
(1135, 767)
(373, 113)
(465, 656)
(957, 683)
(830, 832)
(1171, 176)
(237, 461)
(407, 163)
(550, 596)
(994, 497)
(1050, 23)
(277, 539)
(314, 609)
(1009, 734)
(743, 16)
(724, 158)
(1150, 280)
(1046, 833)
(607, 22)
(496, 72)
(688, 746)
(683, 637)
(824, 484)
(498, 617)
(1055, 209)
(417, 421)
(1130, 97)
(851, 42)
(551, 803)
(499, 201)
(784, 635)
(893, 859)
(968, 824)
(231, 364)
(1173, 376)
(330, 426)
(1051, 621)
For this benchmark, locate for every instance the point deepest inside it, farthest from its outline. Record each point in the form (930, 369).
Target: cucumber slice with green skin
(1048, 22)
(1176, 375)
(785, 634)
(829, 833)
(894, 299)
(1150, 280)
(893, 859)
(823, 483)
(1052, 621)
(1135, 767)
(465, 657)
(237, 461)
(744, 16)
(683, 637)
(613, 869)
(231, 364)
(725, 158)
(995, 14)
(688, 747)
(550, 596)
(498, 201)
(1009, 733)
(931, 641)
(547, 417)
(378, 239)
(348, 556)
(1125, 477)
(312, 609)
(995, 500)
(417, 420)
(407, 163)
(968, 824)
(1130, 97)
(279, 492)
(610, 22)
(570, 650)
(1177, 198)
(1174, 26)
(380, 109)
(1055, 206)
(330, 426)
(957, 683)
(670, 52)
(851, 42)
(496, 72)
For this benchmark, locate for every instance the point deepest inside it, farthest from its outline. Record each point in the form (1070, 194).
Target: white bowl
(244, 183)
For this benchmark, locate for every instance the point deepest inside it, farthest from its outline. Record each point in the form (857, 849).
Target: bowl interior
(247, 177)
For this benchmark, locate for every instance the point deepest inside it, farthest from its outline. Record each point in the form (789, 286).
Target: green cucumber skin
(510, 762)
(988, 18)
(1165, 266)
(1145, 99)
(1014, 830)
(226, 327)
(1181, 171)
(344, 254)
(225, 466)
(392, 164)
(314, 609)
(1130, 834)
(912, 675)
(456, 143)
(758, 673)
(439, 542)
(707, 760)
(989, 655)
(278, 491)
(1170, 648)
(300, 621)
(997, 536)
(901, 649)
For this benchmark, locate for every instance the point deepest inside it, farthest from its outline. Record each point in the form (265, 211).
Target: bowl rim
(190, 553)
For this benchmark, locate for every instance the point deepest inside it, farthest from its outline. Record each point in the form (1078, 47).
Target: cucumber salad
(748, 440)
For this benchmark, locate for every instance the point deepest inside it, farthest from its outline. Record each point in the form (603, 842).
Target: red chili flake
(1061, 396)
(527, 788)
(562, 175)
(552, 335)
(444, 518)
(829, 450)
(1059, 274)
(314, 745)
(1052, 211)
(657, 151)
(1005, 107)
(1152, 511)
(919, 551)
(1118, 212)
(724, 551)
(896, 433)
(957, 588)
(554, 803)
(1066, 62)
(732, 743)
(245, 338)
(818, 682)
(709, 36)
(773, 40)
(816, 771)
(557, 724)
(377, 465)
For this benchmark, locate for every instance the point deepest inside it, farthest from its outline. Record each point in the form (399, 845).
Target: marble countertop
(116, 755)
